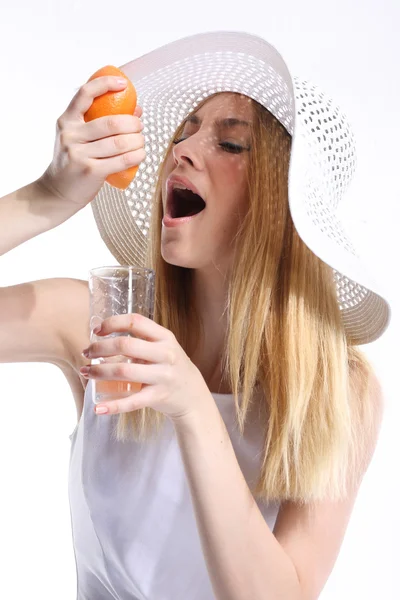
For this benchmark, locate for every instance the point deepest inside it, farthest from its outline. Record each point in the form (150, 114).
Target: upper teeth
(178, 186)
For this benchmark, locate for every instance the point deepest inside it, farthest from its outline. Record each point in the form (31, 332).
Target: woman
(234, 470)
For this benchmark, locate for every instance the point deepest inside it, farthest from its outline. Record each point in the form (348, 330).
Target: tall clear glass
(118, 290)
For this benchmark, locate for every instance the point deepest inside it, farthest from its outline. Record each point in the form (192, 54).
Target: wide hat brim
(172, 80)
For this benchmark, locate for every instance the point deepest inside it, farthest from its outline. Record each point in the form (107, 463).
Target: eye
(227, 146)
(235, 148)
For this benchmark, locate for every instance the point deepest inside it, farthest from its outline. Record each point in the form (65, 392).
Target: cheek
(232, 175)
(227, 217)
(232, 204)
(235, 196)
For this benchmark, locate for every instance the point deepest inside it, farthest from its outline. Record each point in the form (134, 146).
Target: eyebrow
(229, 122)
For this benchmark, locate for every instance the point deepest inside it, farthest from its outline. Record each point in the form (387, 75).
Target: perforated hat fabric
(172, 80)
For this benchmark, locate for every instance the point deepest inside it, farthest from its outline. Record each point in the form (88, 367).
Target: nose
(188, 151)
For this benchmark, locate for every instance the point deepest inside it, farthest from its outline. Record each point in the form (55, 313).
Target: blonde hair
(285, 336)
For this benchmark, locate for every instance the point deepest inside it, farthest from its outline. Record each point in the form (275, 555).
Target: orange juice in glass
(118, 290)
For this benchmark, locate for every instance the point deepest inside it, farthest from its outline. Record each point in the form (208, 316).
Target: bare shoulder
(312, 534)
(75, 327)
(47, 320)
(75, 336)
(44, 321)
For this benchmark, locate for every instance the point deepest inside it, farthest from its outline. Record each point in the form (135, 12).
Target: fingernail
(85, 352)
(97, 329)
(84, 370)
(101, 410)
(121, 81)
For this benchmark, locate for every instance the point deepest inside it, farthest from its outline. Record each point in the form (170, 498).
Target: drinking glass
(118, 290)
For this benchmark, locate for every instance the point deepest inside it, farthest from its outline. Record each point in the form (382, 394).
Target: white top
(133, 524)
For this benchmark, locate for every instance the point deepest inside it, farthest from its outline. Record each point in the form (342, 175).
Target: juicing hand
(172, 384)
(86, 153)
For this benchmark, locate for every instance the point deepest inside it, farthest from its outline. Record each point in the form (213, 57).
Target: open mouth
(184, 203)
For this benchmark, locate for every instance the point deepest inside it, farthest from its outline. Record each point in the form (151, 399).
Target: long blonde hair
(285, 336)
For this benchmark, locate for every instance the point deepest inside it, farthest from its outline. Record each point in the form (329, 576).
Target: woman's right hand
(86, 153)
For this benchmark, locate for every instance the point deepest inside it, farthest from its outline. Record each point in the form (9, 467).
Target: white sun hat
(172, 80)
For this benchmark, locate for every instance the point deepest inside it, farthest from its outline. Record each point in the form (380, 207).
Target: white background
(46, 52)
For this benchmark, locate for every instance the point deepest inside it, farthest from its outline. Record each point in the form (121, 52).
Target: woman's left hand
(172, 384)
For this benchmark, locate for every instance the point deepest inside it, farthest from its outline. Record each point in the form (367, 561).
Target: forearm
(28, 212)
(243, 557)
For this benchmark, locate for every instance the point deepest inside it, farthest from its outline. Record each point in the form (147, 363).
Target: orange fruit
(114, 103)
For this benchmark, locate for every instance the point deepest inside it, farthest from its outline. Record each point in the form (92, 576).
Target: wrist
(197, 419)
(47, 204)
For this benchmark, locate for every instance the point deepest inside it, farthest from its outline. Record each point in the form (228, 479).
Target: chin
(178, 260)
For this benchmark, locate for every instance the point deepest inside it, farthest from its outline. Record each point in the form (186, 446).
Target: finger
(123, 371)
(104, 127)
(83, 99)
(127, 346)
(138, 111)
(137, 325)
(115, 145)
(115, 164)
(131, 403)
